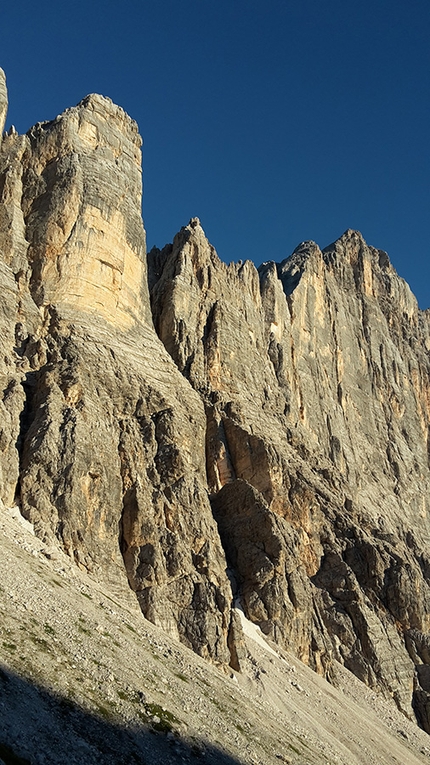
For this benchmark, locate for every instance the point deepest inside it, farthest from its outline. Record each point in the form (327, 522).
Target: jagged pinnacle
(3, 102)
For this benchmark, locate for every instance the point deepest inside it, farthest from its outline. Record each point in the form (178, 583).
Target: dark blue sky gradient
(273, 121)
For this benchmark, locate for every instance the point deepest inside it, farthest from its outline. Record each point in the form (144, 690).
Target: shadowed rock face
(276, 425)
(315, 376)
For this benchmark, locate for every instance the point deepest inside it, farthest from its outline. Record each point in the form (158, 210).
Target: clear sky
(272, 121)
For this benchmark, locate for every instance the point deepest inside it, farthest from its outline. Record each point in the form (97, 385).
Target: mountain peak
(232, 438)
(3, 102)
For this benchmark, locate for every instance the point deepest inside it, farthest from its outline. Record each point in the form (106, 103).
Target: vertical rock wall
(102, 440)
(82, 207)
(277, 426)
(315, 375)
(3, 102)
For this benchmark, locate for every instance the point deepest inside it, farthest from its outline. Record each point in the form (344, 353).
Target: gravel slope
(84, 679)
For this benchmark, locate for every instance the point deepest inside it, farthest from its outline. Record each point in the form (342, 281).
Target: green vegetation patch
(129, 694)
(162, 720)
(104, 712)
(221, 708)
(9, 646)
(40, 642)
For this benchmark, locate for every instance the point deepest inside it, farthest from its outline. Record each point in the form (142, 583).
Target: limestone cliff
(315, 376)
(3, 102)
(102, 439)
(269, 441)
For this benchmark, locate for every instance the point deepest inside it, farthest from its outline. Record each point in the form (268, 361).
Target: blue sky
(273, 122)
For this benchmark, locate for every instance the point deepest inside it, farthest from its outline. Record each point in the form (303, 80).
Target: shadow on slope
(38, 726)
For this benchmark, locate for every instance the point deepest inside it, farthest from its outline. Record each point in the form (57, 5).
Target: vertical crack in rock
(219, 464)
(29, 386)
(170, 556)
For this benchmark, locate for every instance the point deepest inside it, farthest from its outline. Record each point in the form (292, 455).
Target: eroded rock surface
(315, 376)
(3, 102)
(102, 439)
(269, 441)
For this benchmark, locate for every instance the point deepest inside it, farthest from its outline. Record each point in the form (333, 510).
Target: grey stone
(102, 438)
(275, 425)
(3, 102)
(314, 375)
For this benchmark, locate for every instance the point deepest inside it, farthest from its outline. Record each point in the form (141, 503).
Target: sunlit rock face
(81, 204)
(102, 440)
(3, 102)
(269, 441)
(315, 377)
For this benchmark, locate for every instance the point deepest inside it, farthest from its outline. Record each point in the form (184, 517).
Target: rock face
(268, 442)
(102, 440)
(314, 374)
(3, 102)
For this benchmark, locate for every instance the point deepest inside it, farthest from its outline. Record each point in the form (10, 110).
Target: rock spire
(3, 102)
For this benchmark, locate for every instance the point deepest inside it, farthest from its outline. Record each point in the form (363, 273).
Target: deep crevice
(26, 419)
